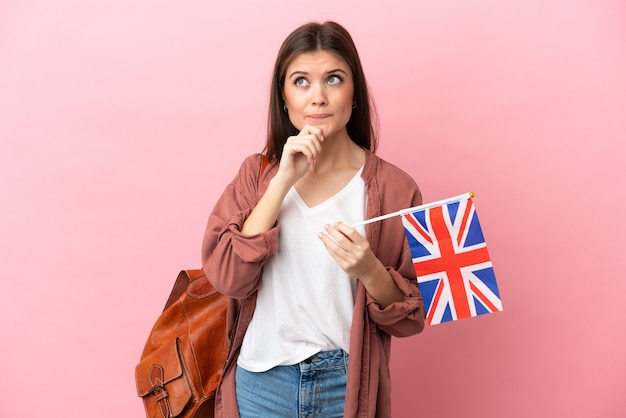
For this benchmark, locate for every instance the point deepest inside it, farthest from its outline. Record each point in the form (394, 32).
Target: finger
(312, 130)
(342, 256)
(315, 133)
(308, 145)
(331, 245)
(302, 142)
(338, 237)
(345, 231)
(314, 138)
(350, 240)
(306, 148)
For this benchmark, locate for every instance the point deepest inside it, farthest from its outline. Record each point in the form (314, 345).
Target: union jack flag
(453, 267)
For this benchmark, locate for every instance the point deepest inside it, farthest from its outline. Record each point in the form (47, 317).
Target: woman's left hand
(350, 250)
(354, 255)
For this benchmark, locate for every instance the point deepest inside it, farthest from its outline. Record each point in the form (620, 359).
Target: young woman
(315, 301)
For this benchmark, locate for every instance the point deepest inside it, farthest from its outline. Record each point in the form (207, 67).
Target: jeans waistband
(325, 360)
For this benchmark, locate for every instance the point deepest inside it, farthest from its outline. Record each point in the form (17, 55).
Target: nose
(318, 97)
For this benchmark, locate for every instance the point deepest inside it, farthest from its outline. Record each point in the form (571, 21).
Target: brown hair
(311, 37)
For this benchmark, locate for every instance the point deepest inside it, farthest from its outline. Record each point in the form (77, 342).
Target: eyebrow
(298, 72)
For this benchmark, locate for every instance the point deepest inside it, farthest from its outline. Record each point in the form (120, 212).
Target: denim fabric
(313, 388)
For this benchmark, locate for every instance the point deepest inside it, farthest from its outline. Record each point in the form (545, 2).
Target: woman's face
(319, 91)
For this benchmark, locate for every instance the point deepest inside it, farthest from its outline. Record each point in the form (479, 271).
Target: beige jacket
(233, 263)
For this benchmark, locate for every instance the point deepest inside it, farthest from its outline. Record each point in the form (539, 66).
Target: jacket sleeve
(232, 261)
(405, 318)
(396, 191)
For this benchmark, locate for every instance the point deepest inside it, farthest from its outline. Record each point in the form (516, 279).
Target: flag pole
(467, 195)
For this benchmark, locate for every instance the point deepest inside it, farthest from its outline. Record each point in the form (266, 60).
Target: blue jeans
(312, 388)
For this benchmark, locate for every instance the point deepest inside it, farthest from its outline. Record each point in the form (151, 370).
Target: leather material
(184, 356)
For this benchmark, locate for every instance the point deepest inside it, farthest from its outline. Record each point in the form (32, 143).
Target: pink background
(121, 122)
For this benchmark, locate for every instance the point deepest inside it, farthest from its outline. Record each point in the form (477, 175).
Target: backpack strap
(183, 280)
(262, 166)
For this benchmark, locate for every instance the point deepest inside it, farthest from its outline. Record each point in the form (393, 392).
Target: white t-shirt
(306, 300)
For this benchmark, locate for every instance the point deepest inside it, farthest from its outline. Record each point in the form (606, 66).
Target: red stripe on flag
(483, 298)
(418, 227)
(468, 209)
(451, 262)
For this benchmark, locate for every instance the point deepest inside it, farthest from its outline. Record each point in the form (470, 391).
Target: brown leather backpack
(183, 359)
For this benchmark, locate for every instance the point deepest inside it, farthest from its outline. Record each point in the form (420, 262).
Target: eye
(301, 82)
(334, 79)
